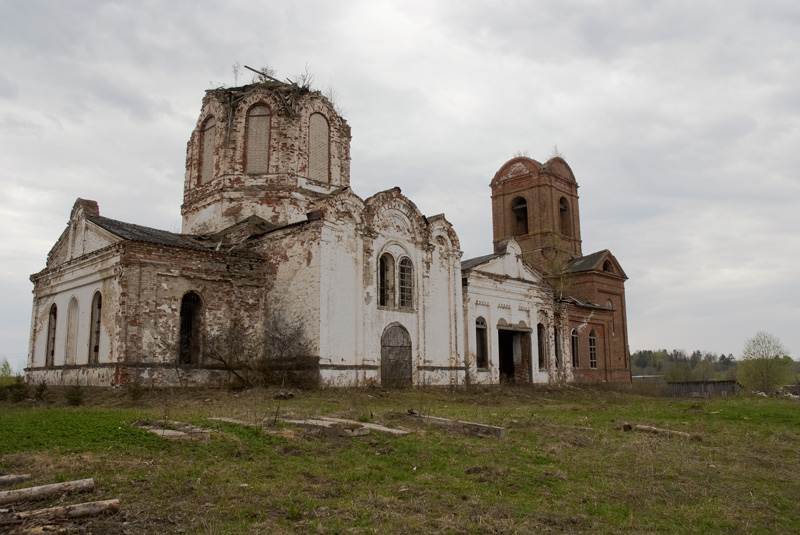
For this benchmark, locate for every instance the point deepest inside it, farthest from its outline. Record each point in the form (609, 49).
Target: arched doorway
(396, 357)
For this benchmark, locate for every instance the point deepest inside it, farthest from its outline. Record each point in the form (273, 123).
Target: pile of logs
(65, 512)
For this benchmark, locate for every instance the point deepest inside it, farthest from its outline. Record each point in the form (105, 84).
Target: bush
(40, 394)
(136, 390)
(74, 395)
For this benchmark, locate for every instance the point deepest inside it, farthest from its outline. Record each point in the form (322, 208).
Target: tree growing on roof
(766, 365)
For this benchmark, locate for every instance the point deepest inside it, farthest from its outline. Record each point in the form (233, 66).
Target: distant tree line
(676, 365)
(765, 365)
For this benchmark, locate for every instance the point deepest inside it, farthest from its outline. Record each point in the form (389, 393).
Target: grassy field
(564, 466)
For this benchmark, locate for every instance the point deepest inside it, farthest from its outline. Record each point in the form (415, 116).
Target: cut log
(10, 479)
(35, 493)
(70, 511)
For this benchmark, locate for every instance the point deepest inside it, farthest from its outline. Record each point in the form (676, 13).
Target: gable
(80, 238)
(602, 261)
(507, 262)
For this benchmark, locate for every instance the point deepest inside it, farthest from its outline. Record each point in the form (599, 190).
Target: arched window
(564, 217)
(318, 148)
(406, 280)
(71, 346)
(189, 341)
(482, 344)
(576, 356)
(607, 267)
(592, 350)
(386, 280)
(50, 352)
(208, 132)
(540, 332)
(257, 145)
(609, 305)
(94, 339)
(519, 209)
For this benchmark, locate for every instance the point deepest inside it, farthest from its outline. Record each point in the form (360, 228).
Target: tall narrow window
(519, 210)
(71, 347)
(576, 356)
(318, 148)
(482, 342)
(406, 283)
(592, 350)
(557, 346)
(386, 280)
(94, 342)
(189, 341)
(207, 150)
(564, 217)
(257, 146)
(540, 345)
(50, 352)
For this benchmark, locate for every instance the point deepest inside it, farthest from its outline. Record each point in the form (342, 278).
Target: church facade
(273, 240)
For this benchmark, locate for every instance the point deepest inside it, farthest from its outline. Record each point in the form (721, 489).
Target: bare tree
(766, 364)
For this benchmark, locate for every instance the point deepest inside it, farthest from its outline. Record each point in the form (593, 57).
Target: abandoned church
(274, 238)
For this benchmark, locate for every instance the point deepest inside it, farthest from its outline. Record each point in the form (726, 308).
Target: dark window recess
(519, 209)
(481, 338)
(189, 350)
(564, 217)
(49, 357)
(94, 345)
(576, 357)
(540, 345)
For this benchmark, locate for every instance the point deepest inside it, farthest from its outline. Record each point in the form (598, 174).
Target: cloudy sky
(681, 121)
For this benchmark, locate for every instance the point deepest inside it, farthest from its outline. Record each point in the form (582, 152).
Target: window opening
(540, 344)
(318, 148)
(481, 339)
(386, 281)
(189, 351)
(564, 217)
(519, 207)
(406, 283)
(607, 267)
(257, 140)
(49, 356)
(207, 150)
(576, 358)
(94, 343)
(592, 350)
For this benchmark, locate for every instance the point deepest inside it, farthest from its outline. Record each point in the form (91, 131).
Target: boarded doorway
(515, 355)
(396, 357)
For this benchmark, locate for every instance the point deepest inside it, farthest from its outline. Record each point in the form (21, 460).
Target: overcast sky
(680, 120)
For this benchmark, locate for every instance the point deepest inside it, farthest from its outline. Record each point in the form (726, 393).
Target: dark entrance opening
(515, 355)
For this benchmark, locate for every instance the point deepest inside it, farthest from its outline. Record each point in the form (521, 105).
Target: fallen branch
(13, 478)
(35, 493)
(70, 511)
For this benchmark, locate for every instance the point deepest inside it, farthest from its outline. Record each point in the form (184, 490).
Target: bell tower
(269, 149)
(537, 205)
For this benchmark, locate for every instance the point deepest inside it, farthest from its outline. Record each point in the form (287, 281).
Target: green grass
(564, 467)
